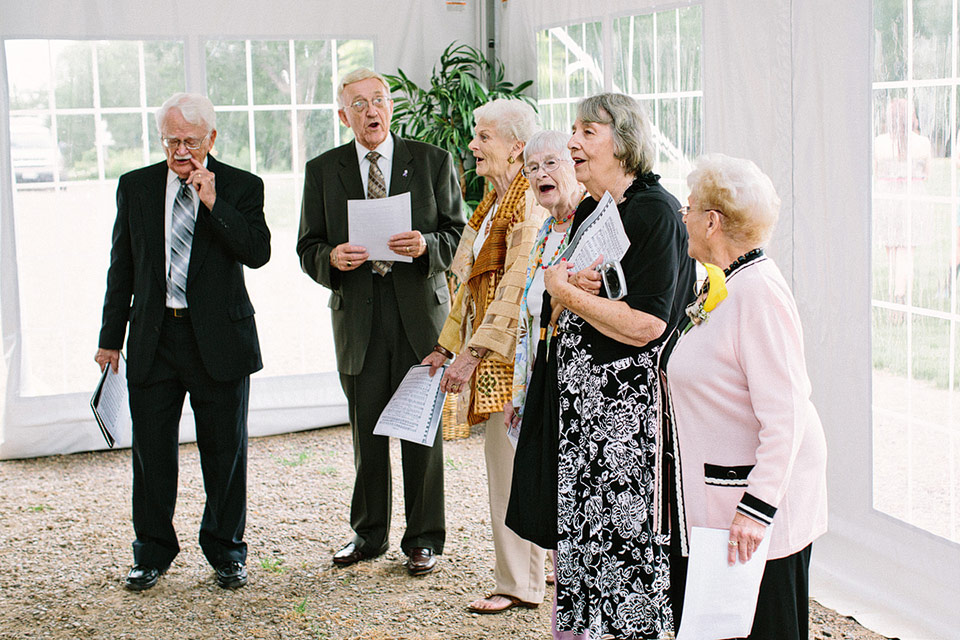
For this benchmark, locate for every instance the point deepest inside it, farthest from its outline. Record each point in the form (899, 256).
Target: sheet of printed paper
(370, 223)
(720, 600)
(110, 406)
(601, 234)
(414, 411)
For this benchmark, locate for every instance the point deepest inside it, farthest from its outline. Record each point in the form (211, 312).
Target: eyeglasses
(360, 105)
(684, 211)
(191, 144)
(530, 170)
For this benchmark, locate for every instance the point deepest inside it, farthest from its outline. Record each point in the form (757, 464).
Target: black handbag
(532, 509)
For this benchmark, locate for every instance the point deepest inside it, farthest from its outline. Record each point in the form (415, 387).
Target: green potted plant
(443, 113)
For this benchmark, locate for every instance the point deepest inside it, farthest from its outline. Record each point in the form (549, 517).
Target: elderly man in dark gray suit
(185, 229)
(386, 315)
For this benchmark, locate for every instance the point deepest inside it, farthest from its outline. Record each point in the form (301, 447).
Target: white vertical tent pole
(9, 280)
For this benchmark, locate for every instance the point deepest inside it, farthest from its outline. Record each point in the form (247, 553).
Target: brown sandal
(511, 603)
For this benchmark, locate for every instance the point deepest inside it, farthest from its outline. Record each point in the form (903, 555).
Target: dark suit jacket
(331, 179)
(234, 234)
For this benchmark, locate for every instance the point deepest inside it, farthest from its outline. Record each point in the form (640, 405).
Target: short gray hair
(739, 189)
(548, 141)
(194, 107)
(632, 139)
(513, 118)
(363, 73)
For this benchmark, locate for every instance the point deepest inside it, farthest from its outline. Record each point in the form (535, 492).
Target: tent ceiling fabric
(786, 83)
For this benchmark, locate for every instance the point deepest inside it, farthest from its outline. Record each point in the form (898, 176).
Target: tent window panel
(916, 250)
(352, 54)
(593, 43)
(233, 138)
(276, 110)
(122, 140)
(273, 128)
(890, 40)
(121, 86)
(227, 72)
(28, 77)
(271, 71)
(80, 116)
(77, 137)
(932, 41)
(73, 64)
(544, 76)
(667, 62)
(569, 68)
(163, 65)
(314, 62)
(691, 39)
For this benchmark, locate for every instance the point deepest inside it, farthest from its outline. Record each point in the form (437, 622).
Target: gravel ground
(65, 538)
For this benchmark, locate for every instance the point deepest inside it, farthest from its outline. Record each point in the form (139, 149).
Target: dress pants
(220, 411)
(518, 571)
(389, 356)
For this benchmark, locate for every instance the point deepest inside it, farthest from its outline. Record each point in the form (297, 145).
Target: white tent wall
(787, 84)
(408, 35)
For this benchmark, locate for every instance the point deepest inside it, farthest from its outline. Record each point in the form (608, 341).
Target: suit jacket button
(369, 300)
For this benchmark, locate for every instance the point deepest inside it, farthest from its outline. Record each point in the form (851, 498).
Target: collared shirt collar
(385, 149)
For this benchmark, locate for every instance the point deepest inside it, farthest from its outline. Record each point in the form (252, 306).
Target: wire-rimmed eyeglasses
(530, 170)
(192, 144)
(683, 211)
(360, 105)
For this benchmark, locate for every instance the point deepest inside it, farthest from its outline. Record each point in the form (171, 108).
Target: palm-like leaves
(443, 113)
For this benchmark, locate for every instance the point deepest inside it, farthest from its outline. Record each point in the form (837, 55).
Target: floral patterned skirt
(612, 571)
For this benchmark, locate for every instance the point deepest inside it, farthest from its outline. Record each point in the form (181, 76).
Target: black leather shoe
(349, 555)
(421, 561)
(142, 577)
(232, 575)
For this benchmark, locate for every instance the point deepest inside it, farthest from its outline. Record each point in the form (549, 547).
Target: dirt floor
(65, 538)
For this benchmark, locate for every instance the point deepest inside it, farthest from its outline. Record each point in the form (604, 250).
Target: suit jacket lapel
(350, 173)
(402, 170)
(151, 212)
(201, 232)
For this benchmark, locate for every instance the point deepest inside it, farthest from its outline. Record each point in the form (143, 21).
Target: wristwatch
(473, 352)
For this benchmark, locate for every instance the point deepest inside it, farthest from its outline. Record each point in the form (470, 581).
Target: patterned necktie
(181, 239)
(377, 188)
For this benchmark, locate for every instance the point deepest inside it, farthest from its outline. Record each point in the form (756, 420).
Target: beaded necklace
(540, 246)
(749, 256)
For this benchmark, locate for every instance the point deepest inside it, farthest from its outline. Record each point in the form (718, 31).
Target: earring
(511, 159)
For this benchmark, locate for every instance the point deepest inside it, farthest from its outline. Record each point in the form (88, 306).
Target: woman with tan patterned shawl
(491, 267)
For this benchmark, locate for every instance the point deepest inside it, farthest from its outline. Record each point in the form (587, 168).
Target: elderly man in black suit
(185, 229)
(386, 315)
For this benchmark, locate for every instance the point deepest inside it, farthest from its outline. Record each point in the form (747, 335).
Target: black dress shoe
(142, 577)
(349, 555)
(232, 575)
(421, 561)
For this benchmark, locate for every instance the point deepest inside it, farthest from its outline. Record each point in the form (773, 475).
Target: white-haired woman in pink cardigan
(749, 441)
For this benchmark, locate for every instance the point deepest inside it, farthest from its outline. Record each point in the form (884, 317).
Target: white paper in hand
(720, 601)
(601, 234)
(414, 411)
(370, 223)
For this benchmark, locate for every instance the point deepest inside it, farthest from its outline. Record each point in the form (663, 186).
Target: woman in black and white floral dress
(612, 563)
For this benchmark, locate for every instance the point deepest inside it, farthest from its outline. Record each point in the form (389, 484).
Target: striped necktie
(181, 239)
(377, 188)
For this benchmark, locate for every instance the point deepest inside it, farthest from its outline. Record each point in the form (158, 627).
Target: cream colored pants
(519, 564)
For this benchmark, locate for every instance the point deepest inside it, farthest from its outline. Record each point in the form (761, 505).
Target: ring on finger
(349, 264)
(733, 543)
